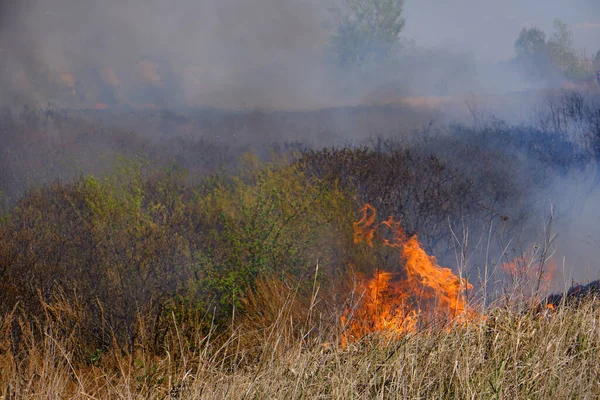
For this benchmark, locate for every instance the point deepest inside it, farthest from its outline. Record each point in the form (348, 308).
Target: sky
(488, 28)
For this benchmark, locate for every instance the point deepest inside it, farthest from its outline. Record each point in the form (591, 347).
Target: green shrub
(135, 241)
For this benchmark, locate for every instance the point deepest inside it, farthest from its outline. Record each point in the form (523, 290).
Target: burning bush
(423, 191)
(397, 303)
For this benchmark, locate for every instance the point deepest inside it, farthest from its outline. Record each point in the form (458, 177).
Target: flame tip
(396, 306)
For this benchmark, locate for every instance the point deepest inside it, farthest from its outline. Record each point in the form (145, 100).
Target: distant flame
(364, 230)
(149, 71)
(68, 79)
(101, 106)
(109, 76)
(528, 276)
(394, 304)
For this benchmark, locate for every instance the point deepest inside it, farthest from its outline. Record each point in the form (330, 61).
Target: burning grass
(528, 355)
(288, 343)
(396, 304)
(145, 284)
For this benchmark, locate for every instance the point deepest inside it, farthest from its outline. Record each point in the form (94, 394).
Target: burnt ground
(575, 294)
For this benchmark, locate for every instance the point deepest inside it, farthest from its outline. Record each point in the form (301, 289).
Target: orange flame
(394, 304)
(364, 229)
(68, 79)
(149, 71)
(528, 276)
(109, 76)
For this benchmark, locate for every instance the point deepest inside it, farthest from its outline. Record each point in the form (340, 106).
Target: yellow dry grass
(508, 355)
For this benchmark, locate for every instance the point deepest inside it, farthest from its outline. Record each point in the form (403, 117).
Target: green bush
(271, 221)
(136, 242)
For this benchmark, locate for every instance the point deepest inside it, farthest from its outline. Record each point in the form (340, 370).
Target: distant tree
(562, 49)
(530, 43)
(540, 55)
(367, 30)
(532, 52)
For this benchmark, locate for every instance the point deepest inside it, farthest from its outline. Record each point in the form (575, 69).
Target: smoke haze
(488, 28)
(258, 53)
(274, 54)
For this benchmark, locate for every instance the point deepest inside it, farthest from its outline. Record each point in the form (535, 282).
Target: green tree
(530, 43)
(367, 30)
(562, 49)
(541, 55)
(532, 52)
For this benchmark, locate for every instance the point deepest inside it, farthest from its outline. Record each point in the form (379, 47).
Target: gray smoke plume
(255, 53)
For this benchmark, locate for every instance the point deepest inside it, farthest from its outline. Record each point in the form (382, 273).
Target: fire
(528, 277)
(384, 308)
(364, 229)
(149, 71)
(68, 79)
(109, 76)
(395, 304)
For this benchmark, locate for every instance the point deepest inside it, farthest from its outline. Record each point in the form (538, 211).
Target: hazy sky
(238, 52)
(489, 28)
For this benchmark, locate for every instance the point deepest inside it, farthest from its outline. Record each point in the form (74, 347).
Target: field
(528, 355)
(357, 252)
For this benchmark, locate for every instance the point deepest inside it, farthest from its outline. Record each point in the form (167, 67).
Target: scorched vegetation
(304, 272)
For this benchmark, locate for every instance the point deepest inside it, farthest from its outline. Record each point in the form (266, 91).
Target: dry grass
(506, 355)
